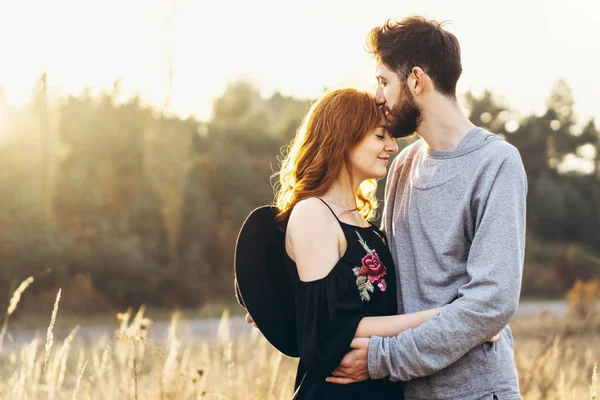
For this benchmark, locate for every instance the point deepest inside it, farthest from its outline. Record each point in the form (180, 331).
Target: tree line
(121, 204)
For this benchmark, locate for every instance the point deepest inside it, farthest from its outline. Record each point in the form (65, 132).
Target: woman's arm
(392, 325)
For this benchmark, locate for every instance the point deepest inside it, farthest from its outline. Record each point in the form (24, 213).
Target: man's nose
(379, 99)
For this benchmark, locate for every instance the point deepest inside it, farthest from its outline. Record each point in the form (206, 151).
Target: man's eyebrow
(379, 77)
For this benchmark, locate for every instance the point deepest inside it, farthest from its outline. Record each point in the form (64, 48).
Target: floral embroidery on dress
(372, 271)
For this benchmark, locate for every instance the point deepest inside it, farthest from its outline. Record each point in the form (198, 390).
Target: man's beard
(405, 117)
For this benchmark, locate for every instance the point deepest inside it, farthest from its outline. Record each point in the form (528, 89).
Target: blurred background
(135, 136)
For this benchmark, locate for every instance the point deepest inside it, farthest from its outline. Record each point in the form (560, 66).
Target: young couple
(407, 311)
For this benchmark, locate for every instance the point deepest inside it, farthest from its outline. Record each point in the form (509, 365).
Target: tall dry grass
(556, 360)
(12, 306)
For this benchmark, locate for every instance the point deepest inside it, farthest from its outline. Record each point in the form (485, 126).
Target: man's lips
(388, 115)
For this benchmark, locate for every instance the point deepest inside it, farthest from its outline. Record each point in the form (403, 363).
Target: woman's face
(369, 159)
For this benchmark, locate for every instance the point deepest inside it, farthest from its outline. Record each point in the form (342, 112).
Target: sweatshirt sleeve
(485, 304)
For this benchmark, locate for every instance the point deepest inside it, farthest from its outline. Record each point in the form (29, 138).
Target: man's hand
(250, 320)
(354, 366)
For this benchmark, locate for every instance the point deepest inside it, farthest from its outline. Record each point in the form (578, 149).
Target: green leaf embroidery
(363, 284)
(363, 243)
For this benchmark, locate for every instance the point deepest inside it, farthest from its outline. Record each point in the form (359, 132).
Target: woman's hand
(251, 321)
(493, 339)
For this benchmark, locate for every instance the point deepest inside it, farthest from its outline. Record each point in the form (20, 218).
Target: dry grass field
(556, 359)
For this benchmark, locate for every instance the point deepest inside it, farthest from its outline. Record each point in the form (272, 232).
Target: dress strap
(330, 209)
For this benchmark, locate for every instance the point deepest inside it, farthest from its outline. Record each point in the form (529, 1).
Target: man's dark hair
(418, 42)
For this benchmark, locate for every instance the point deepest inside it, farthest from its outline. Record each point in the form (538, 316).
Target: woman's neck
(342, 194)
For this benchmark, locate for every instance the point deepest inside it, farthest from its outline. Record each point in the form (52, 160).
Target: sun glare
(1, 123)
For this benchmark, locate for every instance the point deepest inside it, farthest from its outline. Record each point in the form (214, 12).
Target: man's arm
(391, 180)
(485, 304)
(391, 176)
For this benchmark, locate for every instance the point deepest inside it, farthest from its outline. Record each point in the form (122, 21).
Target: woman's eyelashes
(381, 133)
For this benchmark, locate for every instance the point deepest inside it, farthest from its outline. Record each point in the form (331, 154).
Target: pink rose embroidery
(372, 271)
(372, 267)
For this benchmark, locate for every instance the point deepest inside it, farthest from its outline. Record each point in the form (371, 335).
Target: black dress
(329, 309)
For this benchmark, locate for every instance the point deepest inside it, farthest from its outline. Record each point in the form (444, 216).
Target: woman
(345, 273)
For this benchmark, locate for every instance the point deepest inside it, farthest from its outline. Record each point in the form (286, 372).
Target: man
(455, 221)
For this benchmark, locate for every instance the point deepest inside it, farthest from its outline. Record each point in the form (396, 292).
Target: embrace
(417, 309)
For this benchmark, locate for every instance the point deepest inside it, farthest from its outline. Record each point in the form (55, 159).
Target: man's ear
(417, 80)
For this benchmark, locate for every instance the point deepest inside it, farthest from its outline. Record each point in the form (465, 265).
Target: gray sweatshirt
(455, 222)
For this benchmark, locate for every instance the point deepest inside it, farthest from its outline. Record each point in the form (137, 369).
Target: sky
(516, 48)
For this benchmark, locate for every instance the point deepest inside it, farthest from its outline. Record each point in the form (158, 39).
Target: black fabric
(328, 311)
(262, 284)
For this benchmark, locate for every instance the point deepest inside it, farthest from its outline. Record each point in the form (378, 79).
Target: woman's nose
(392, 146)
